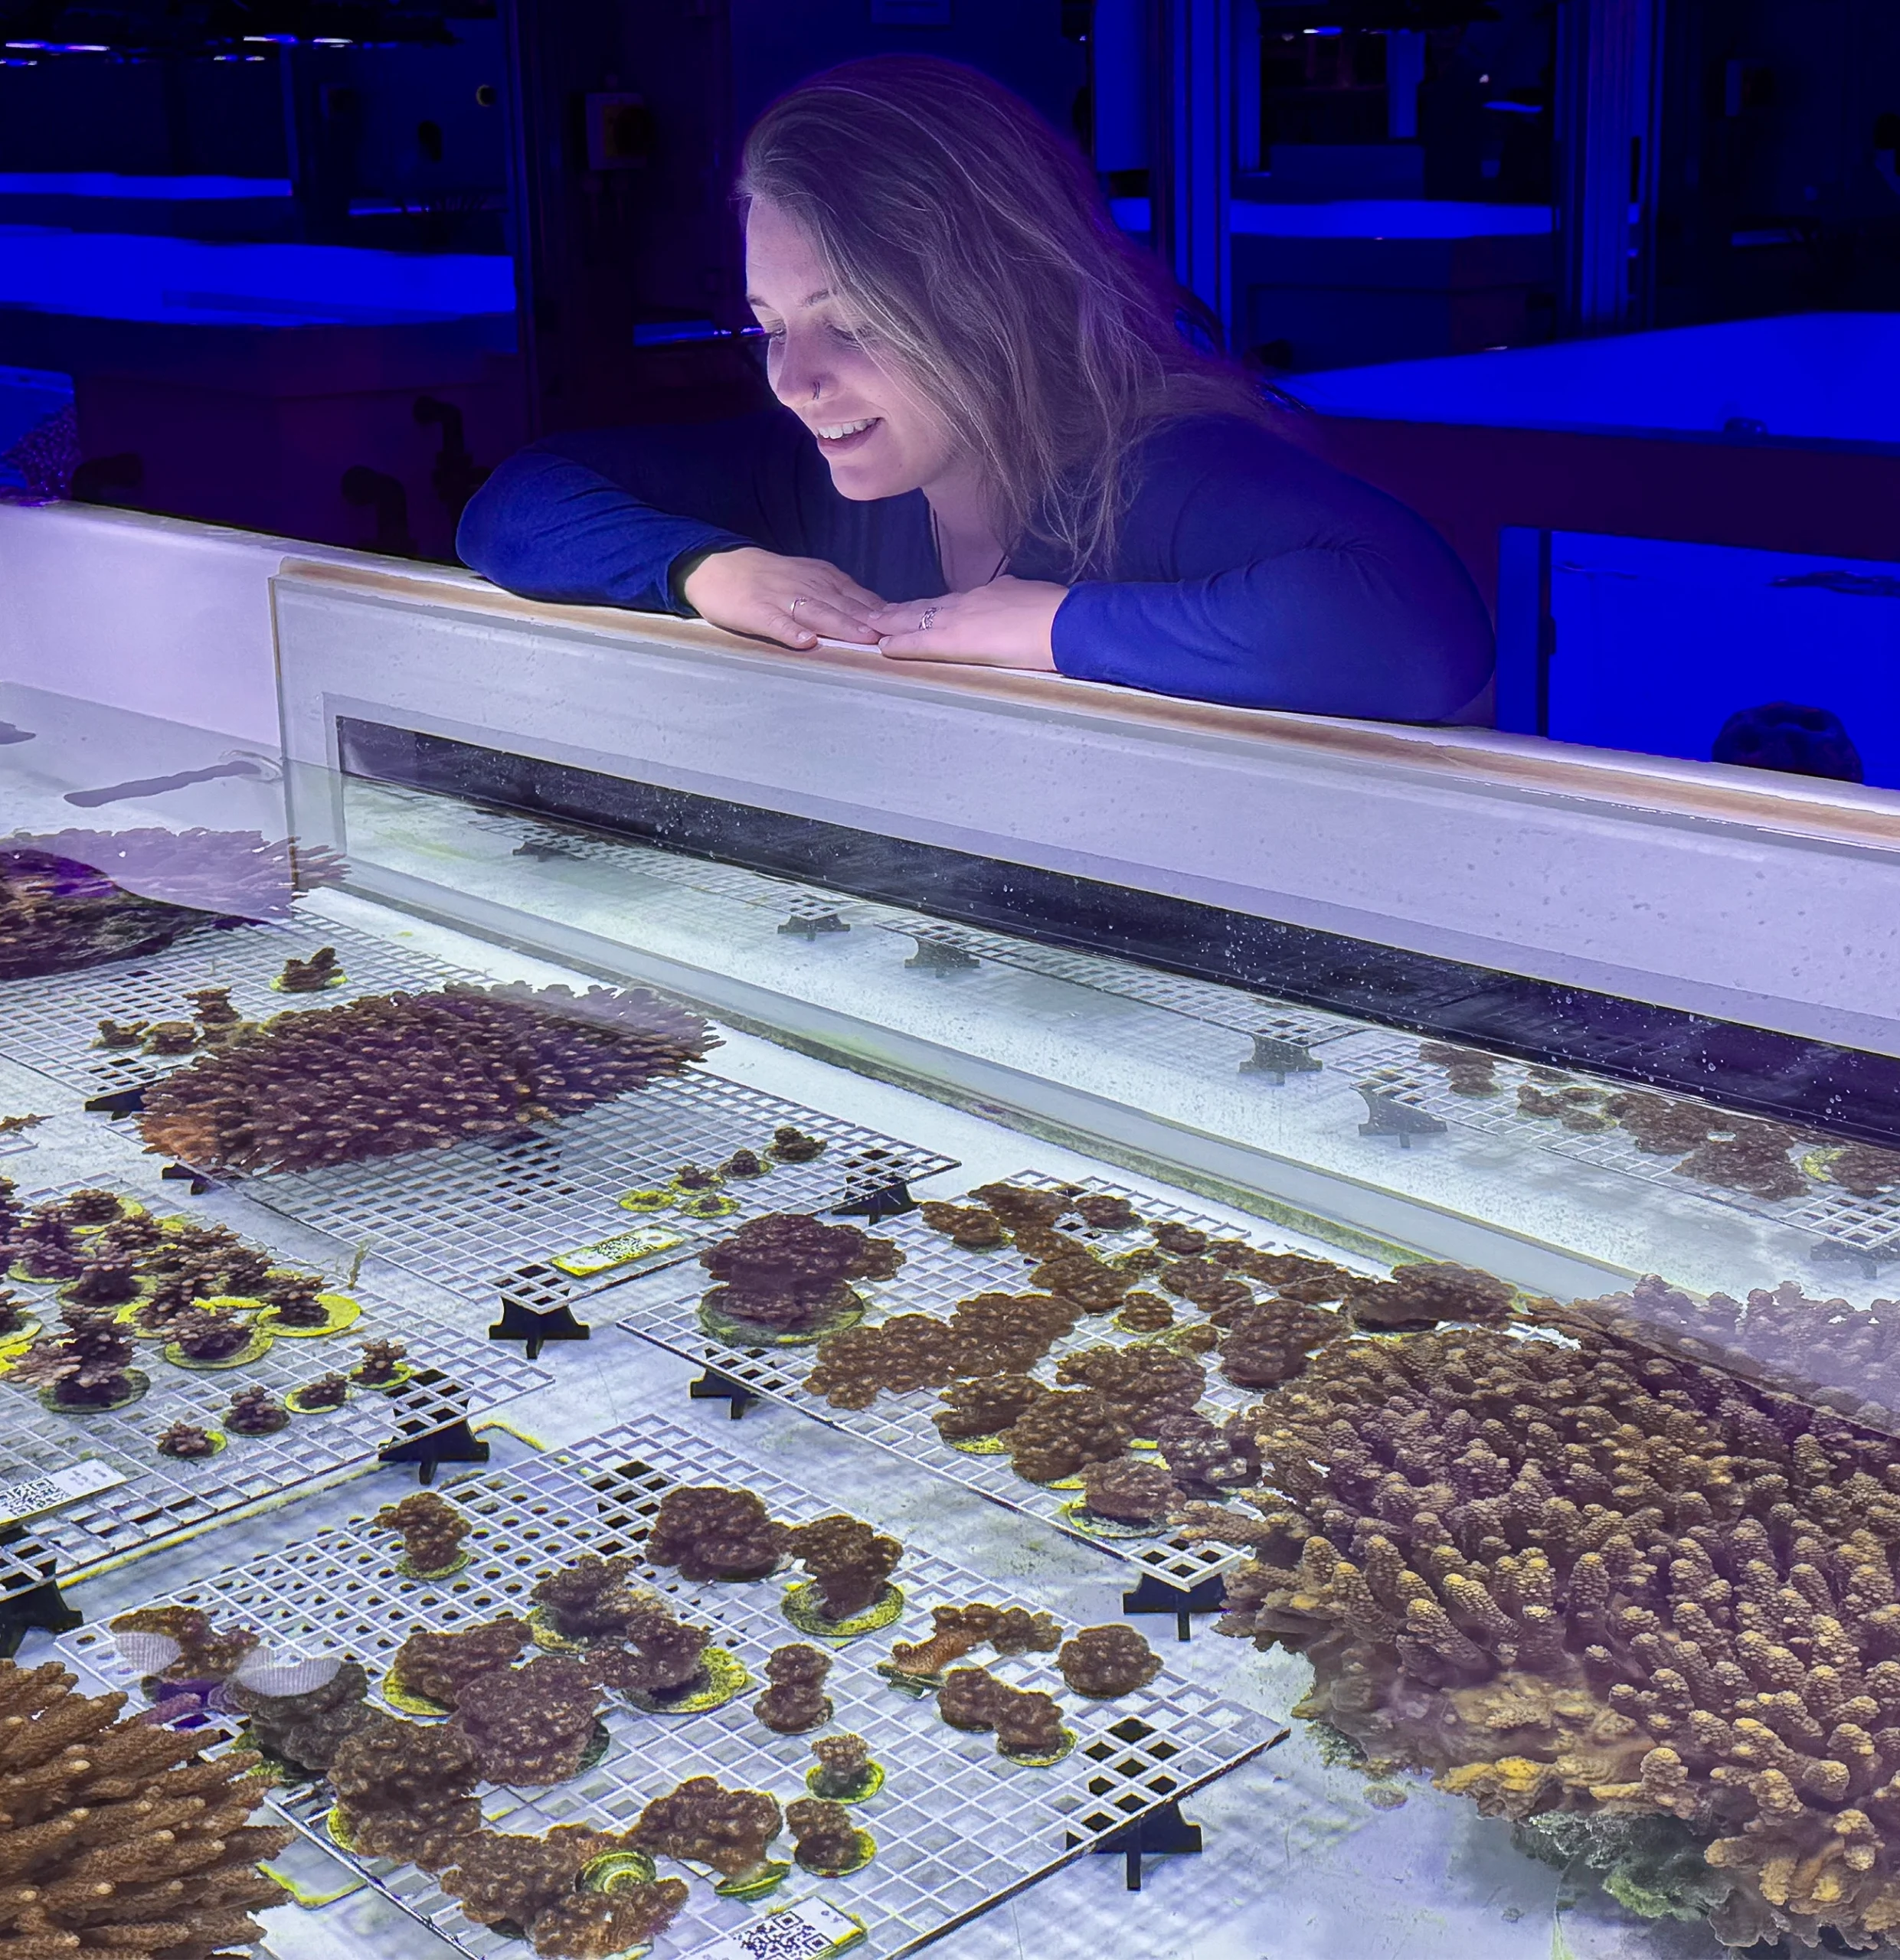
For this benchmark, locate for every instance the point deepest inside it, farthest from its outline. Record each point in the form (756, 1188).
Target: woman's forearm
(1319, 631)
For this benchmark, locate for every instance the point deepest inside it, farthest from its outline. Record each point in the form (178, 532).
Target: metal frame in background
(936, 1275)
(957, 1828)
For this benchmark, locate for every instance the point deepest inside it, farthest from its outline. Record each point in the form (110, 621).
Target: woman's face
(880, 436)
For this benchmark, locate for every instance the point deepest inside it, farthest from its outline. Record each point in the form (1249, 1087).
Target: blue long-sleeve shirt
(1247, 572)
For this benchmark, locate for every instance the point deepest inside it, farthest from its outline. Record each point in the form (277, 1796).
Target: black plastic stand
(1163, 1833)
(1279, 1059)
(426, 1442)
(1155, 1595)
(809, 925)
(536, 1326)
(42, 1606)
(183, 1173)
(118, 1102)
(1387, 1116)
(712, 1386)
(939, 956)
(881, 1202)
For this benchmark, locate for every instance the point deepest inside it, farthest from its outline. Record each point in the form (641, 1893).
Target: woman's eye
(849, 336)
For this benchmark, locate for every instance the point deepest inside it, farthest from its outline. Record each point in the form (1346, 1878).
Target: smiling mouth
(834, 437)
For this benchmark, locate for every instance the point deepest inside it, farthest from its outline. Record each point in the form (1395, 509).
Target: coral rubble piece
(796, 1701)
(396, 1072)
(117, 1838)
(789, 1272)
(711, 1532)
(1104, 1662)
(430, 1527)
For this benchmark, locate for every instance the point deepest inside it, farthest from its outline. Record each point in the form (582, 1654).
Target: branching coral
(306, 1729)
(256, 1412)
(650, 1653)
(956, 1630)
(826, 1840)
(1426, 1292)
(500, 1879)
(730, 1830)
(844, 1767)
(797, 1700)
(707, 1531)
(857, 1364)
(104, 1282)
(849, 1564)
(968, 1225)
(1209, 1285)
(431, 1530)
(184, 1440)
(437, 1666)
(76, 898)
(115, 1838)
(1600, 1579)
(531, 1724)
(1103, 1662)
(1206, 1458)
(180, 1644)
(789, 1272)
(1062, 1432)
(592, 1598)
(1131, 1491)
(987, 1405)
(1107, 1212)
(397, 1072)
(1091, 1284)
(1272, 1342)
(999, 1334)
(206, 1334)
(1142, 1385)
(292, 1299)
(86, 1366)
(1017, 1205)
(1027, 1724)
(407, 1789)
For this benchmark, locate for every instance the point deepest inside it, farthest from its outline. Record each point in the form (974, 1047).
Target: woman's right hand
(791, 600)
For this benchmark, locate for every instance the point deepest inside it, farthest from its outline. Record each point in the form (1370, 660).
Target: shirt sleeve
(600, 517)
(1265, 579)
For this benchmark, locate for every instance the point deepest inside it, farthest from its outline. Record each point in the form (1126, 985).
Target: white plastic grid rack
(456, 1375)
(937, 1274)
(957, 1828)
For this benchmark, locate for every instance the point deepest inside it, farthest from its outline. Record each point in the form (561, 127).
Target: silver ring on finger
(792, 608)
(927, 619)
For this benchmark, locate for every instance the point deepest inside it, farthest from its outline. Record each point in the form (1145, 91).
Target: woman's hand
(791, 600)
(1007, 623)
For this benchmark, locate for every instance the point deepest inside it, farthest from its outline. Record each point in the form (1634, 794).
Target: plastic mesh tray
(957, 1828)
(936, 1275)
(487, 1217)
(51, 1024)
(457, 1375)
(1866, 1226)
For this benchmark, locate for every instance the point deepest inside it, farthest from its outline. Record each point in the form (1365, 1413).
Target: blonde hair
(975, 243)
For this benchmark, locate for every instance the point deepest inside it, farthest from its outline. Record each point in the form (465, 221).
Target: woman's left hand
(1007, 623)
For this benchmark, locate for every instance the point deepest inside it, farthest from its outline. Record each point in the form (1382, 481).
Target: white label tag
(799, 1932)
(37, 1493)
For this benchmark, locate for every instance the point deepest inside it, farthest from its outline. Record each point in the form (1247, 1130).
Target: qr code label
(800, 1933)
(67, 1486)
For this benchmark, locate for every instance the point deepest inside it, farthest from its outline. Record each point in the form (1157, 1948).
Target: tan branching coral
(650, 1652)
(395, 1073)
(709, 1531)
(591, 1597)
(115, 1839)
(1600, 1579)
(956, 1630)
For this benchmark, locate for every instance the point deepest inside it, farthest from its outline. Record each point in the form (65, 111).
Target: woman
(996, 445)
